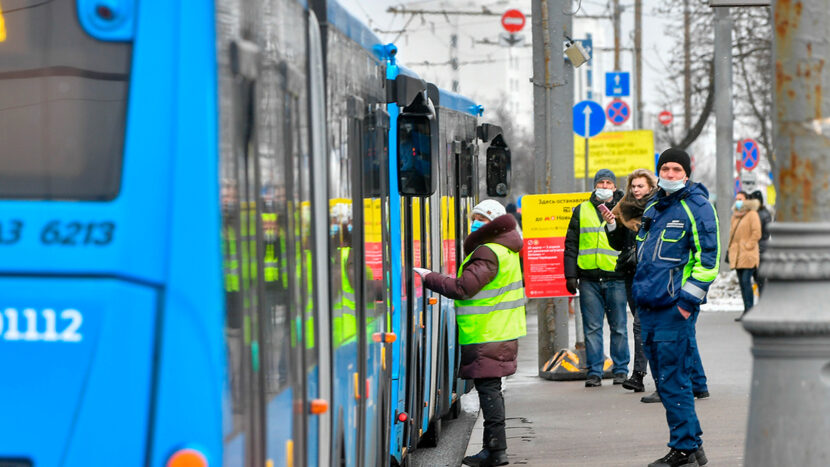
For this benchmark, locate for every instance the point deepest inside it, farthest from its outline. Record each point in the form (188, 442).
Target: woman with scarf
(743, 254)
(642, 184)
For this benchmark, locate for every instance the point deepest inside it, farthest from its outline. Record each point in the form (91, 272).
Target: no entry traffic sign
(617, 112)
(513, 21)
(665, 117)
(749, 153)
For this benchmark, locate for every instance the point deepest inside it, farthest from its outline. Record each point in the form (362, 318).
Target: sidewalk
(566, 424)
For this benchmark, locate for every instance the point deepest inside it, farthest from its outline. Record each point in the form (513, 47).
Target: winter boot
(486, 458)
(593, 381)
(635, 383)
(676, 458)
(651, 398)
(701, 456)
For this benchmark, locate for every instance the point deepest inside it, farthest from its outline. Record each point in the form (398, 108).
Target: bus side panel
(190, 351)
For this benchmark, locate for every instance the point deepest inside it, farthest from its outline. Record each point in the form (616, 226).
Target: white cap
(490, 209)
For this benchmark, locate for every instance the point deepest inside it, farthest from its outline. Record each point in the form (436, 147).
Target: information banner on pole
(622, 152)
(545, 224)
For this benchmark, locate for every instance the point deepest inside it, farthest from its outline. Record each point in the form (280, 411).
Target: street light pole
(790, 391)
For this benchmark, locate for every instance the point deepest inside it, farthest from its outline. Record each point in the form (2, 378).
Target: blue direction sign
(589, 119)
(616, 84)
(749, 153)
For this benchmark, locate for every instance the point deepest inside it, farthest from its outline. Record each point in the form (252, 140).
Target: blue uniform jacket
(678, 250)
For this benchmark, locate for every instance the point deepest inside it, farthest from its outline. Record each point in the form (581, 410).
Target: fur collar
(630, 209)
(500, 230)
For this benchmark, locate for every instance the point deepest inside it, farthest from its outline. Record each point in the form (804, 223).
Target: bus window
(63, 105)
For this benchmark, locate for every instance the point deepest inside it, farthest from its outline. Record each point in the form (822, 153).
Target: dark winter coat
(629, 214)
(489, 359)
(572, 269)
(766, 218)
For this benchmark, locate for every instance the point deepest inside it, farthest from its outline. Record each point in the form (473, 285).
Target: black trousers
(492, 405)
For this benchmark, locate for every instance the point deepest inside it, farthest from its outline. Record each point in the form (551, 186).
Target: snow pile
(724, 294)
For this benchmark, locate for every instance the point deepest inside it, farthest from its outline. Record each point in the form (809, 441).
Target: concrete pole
(638, 64)
(687, 67)
(553, 141)
(723, 113)
(790, 327)
(617, 35)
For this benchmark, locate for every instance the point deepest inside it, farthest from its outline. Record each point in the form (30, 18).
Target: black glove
(571, 284)
(626, 261)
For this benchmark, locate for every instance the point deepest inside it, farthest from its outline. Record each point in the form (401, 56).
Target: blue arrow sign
(750, 153)
(589, 118)
(616, 84)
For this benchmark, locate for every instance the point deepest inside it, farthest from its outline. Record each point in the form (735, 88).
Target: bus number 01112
(10, 323)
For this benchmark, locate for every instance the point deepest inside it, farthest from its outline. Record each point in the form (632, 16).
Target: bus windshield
(63, 101)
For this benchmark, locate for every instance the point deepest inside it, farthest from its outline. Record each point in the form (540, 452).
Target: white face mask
(670, 186)
(604, 193)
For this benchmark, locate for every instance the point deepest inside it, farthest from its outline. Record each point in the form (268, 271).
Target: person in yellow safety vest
(591, 266)
(490, 313)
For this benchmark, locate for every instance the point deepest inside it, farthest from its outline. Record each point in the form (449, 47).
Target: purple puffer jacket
(489, 359)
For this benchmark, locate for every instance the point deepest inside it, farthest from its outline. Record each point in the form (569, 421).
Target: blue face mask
(739, 204)
(670, 186)
(476, 225)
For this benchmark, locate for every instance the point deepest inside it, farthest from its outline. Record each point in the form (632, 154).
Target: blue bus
(208, 230)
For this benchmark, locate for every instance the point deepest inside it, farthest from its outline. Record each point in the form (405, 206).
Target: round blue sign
(588, 115)
(750, 153)
(617, 112)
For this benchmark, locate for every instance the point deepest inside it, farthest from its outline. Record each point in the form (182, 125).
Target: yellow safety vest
(594, 250)
(497, 312)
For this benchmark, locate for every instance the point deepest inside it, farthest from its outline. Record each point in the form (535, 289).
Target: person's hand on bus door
(422, 272)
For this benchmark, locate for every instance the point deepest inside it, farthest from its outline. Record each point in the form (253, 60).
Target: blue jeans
(598, 299)
(745, 280)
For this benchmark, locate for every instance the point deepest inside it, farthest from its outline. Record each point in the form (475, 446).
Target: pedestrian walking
(642, 186)
(743, 252)
(591, 267)
(677, 260)
(490, 313)
(766, 219)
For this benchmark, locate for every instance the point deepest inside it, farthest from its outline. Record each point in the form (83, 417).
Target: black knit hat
(676, 155)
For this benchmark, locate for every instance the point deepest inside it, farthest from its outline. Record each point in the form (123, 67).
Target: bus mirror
(415, 177)
(498, 171)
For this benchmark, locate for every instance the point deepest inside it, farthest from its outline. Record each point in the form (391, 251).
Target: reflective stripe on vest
(497, 312)
(594, 250)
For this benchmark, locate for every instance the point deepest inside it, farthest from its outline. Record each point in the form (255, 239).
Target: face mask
(671, 186)
(476, 225)
(604, 193)
(739, 204)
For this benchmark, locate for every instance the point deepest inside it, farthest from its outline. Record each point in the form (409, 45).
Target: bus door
(376, 286)
(239, 232)
(417, 177)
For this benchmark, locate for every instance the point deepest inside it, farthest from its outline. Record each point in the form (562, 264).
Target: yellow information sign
(622, 152)
(545, 216)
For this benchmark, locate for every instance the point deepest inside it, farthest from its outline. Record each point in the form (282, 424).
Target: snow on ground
(724, 294)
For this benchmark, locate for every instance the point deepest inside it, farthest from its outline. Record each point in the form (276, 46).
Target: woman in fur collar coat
(642, 184)
(743, 252)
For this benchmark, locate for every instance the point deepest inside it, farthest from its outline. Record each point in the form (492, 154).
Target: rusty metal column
(790, 399)
(553, 141)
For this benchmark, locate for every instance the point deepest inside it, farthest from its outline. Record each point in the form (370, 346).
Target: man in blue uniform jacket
(678, 256)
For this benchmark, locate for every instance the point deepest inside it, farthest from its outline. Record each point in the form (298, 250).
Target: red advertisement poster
(545, 221)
